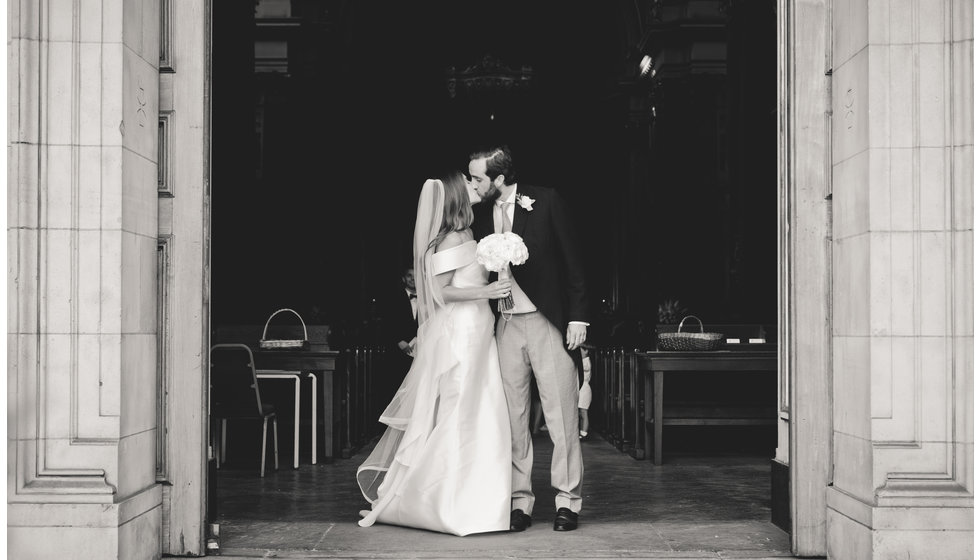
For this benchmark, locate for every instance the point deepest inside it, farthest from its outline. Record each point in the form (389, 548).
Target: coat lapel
(520, 217)
(520, 220)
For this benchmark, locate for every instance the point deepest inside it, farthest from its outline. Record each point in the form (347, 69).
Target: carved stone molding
(164, 282)
(167, 44)
(913, 321)
(165, 150)
(76, 236)
(54, 435)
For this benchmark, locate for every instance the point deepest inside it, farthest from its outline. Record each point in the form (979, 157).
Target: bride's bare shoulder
(454, 239)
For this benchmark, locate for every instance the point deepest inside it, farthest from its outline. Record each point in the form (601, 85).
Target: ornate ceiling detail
(489, 76)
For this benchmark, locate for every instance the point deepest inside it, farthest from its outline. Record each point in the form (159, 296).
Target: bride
(444, 462)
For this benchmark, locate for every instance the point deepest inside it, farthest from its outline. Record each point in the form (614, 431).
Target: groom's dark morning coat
(553, 276)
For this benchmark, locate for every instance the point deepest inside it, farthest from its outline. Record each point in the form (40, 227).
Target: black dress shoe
(565, 520)
(519, 521)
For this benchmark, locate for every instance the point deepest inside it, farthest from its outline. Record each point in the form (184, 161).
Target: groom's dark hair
(499, 162)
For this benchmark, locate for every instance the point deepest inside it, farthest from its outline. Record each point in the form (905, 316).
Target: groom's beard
(492, 194)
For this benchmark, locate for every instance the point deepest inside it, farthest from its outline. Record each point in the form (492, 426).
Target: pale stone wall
(83, 221)
(902, 133)
(82, 228)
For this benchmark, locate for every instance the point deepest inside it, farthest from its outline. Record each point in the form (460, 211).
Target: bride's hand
(499, 289)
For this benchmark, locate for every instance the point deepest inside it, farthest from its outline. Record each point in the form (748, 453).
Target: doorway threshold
(689, 507)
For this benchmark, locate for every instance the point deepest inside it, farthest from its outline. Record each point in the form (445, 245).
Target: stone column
(902, 279)
(82, 235)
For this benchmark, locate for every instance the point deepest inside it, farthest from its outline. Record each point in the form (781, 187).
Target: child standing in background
(584, 399)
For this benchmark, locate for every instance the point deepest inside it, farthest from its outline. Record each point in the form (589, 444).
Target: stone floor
(691, 507)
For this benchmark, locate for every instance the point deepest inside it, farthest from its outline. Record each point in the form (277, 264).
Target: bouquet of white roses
(498, 250)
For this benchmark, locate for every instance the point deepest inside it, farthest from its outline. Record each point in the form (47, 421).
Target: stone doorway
(785, 449)
(95, 209)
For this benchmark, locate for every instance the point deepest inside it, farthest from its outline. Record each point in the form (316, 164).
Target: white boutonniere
(525, 202)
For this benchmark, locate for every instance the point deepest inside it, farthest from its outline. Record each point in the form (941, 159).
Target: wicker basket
(690, 341)
(284, 344)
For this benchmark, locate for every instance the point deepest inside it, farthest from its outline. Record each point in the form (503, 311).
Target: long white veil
(371, 473)
(428, 220)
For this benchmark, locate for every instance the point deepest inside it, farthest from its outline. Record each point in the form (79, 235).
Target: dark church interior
(320, 147)
(655, 120)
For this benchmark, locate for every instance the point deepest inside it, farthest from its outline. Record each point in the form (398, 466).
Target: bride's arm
(450, 294)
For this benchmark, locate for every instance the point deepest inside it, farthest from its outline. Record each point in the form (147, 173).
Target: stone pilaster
(803, 456)
(902, 279)
(82, 229)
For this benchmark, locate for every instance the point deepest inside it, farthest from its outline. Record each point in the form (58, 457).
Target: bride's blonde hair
(456, 212)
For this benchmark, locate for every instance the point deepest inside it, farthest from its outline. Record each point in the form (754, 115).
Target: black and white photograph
(676, 279)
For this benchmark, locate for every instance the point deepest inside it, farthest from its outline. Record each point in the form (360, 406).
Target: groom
(548, 322)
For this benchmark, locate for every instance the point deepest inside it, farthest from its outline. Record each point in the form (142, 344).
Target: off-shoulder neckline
(463, 244)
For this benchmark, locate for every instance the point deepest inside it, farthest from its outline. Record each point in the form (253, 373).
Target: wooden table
(316, 362)
(653, 365)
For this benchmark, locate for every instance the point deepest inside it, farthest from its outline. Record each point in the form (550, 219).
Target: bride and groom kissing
(456, 456)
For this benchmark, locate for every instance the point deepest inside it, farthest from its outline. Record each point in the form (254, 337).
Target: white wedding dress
(444, 463)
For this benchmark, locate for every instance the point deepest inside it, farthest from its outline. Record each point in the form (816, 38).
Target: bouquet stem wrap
(507, 303)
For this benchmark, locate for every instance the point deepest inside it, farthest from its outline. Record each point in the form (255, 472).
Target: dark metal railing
(617, 404)
(619, 396)
(362, 370)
